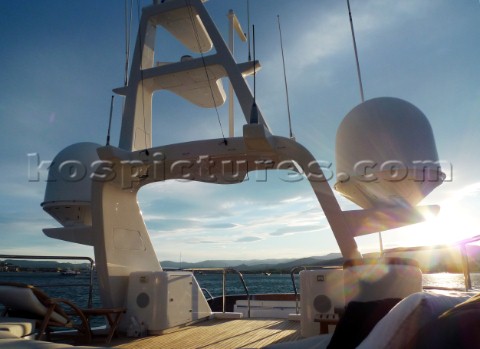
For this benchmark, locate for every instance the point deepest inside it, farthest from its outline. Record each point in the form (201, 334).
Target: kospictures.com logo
(205, 169)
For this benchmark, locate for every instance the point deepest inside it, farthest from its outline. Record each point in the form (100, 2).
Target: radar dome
(69, 186)
(386, 154)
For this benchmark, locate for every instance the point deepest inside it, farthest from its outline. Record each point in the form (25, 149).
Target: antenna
(110, 120)
(356, 53)
(285, 78)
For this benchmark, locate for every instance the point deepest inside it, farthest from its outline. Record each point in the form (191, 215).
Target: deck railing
(295, 270)
(225, 271)
(56, 258)
(462, 245)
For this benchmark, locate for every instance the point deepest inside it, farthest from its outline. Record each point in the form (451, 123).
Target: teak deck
(224, 334)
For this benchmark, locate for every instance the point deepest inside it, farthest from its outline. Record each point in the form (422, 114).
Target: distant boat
(70, 272)
(267, 274)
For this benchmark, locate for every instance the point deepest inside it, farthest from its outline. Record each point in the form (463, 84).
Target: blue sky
(61, 59)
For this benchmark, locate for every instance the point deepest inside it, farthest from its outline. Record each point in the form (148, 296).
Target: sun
(455, 221)
(458, 218)
(452, 224)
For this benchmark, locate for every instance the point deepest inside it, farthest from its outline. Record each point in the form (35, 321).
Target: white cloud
(248, 239)
(322, 36)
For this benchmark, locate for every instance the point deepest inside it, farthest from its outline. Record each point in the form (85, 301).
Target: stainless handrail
(224, 283)
(92, 264)
(207, 292)
(292, 272)
(463, 251)
(304, 267)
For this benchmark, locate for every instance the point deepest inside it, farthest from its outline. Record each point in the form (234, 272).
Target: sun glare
(453, 223)
(457, 220)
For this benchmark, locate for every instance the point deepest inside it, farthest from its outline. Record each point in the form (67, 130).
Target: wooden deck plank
(225, 334)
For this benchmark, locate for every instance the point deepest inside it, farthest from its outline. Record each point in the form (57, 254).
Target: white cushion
(11, 327)
(31, 344)
(24, 298)
(399, 326)
(6, 334)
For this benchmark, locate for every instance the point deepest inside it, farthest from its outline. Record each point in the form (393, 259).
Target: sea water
(282, 283)
(75, 288)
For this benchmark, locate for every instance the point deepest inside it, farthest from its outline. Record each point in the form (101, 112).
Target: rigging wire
(356, 53)
(254, 111)
(361, 90)
(197, 38)
(128, 28)
(285, 78)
